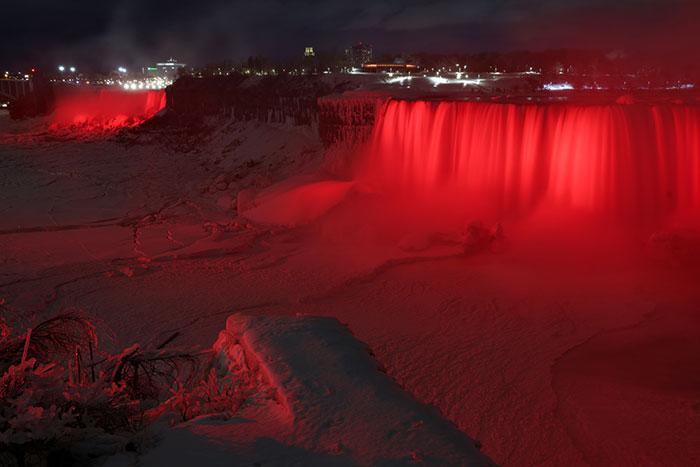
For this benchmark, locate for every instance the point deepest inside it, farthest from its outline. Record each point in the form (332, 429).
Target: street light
(121, 69)
(72, 69)
(61, 68)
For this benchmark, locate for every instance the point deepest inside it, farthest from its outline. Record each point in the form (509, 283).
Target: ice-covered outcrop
(269, 99)
(348, 119)
(344, 116)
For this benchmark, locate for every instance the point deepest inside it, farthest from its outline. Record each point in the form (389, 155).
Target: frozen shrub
(42, 413)
(52, 339)
(215, 394)
(55, 396)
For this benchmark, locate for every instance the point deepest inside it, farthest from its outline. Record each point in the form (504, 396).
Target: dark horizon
(132, 33)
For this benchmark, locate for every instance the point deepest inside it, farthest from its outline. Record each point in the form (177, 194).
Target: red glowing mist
(103, 109)
(635, 164)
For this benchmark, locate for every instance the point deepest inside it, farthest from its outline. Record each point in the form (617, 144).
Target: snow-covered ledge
(336, 397)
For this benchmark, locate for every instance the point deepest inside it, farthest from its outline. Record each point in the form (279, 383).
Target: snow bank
(339, 408)
(298, 205)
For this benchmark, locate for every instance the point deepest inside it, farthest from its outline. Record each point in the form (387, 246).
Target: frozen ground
(542, 365)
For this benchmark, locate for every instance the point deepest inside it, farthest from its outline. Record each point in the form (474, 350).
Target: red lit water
(629, 164)
(106, 108)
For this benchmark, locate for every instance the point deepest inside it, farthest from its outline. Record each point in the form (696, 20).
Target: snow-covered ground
(543, 364)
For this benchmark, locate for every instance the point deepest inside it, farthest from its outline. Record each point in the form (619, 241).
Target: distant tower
(310, 62)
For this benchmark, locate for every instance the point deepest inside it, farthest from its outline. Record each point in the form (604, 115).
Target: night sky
(91, 33)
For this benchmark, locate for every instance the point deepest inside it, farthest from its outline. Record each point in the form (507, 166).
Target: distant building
(167, 69)
(358, 55)
(310, 64)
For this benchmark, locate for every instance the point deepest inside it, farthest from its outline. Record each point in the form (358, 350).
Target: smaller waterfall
(106, 108)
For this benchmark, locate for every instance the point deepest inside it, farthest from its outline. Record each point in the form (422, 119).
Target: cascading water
(103, 109)
(630, 163)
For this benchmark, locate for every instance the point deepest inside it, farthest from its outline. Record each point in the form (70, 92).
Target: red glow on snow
(106, 109)
(627, 164)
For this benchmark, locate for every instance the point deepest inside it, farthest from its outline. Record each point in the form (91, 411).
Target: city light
(558, 87)
(72, 69)
(398, 79)
(148, 83)
(61, 68)
(438, 80)
(121, 69)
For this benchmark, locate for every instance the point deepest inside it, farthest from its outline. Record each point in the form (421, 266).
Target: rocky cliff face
(347, 119)
(270, 99)
(342, 116)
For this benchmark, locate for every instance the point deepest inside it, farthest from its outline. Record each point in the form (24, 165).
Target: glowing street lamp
(72, 69)
(61, 68)
(121, 69)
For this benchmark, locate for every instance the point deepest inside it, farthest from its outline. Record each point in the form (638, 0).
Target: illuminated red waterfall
(105, 108)
(634, 163)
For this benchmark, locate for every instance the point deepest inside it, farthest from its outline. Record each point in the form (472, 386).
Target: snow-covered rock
(332, 405)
